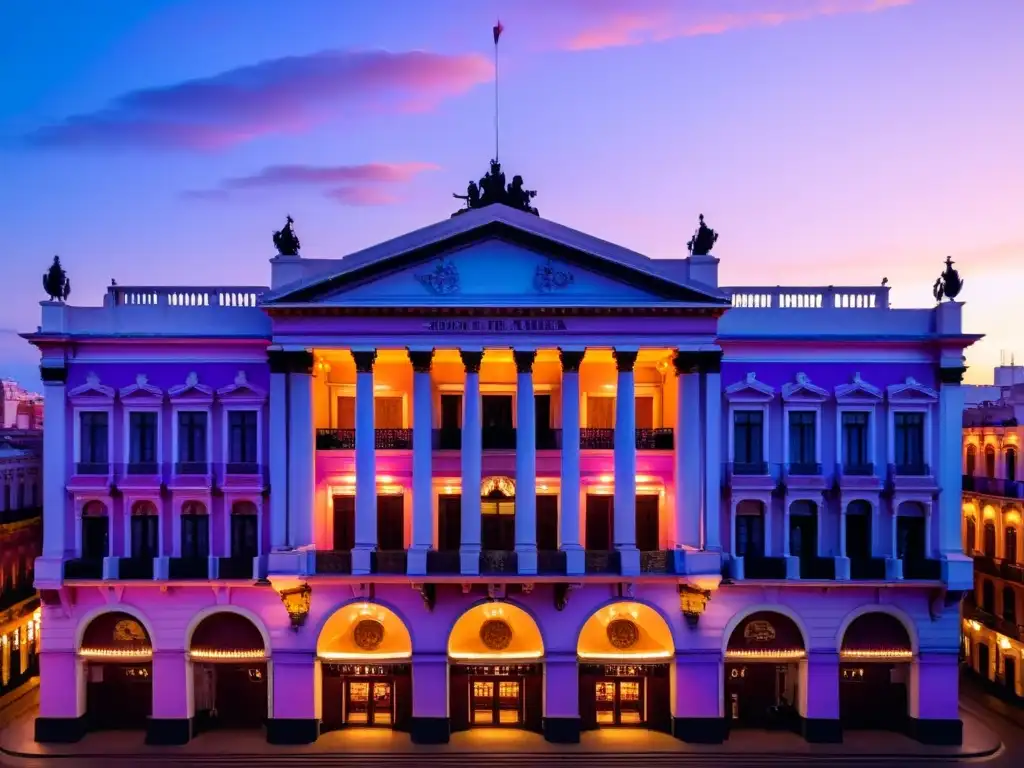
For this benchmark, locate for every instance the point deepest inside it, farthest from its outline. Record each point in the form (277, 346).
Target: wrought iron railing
(444, 562)
(92, 468)
(867, 568)
(135, 568)
(858, 469)
(345, 439)
(334, 561)
(602, 561)
(447, 439)
(192, 468)
(592, 438)
(657, 561)
(235, 567)
(803, 468)
(498, 561)
(658, 439)
(498, 438)
(911, 469)
(818, 568)
(189, 568)
(923, 568)
(764, 567)
(84, 568)
(550, 561)
(389, 561)
(142, 468)
(991, 486)
(749, 468)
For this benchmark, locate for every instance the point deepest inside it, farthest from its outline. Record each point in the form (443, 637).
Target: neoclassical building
(993, 611)
(499, 473)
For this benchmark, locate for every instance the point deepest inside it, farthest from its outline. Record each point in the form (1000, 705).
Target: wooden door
(344, 523)
(391, 523)
(599, 523)
(647, 517)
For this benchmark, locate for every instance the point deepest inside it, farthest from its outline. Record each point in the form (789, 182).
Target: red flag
(498, 29)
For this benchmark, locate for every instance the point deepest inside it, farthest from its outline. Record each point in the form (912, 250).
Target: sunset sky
(828, 141)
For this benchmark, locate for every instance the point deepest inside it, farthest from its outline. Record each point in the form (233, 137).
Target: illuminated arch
(506, 486)
(625, 630)
(128, 610)
(890, 610)
(364, 630)
(495, 630)
(782, 610)
(235, 610)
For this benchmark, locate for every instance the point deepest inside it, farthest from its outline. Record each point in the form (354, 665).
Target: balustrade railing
(235, 567)
(135, 568)
(551, 561)
(183, 297)
(809, 298)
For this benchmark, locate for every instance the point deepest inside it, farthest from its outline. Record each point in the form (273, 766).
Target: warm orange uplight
(116, 653)
(212, 654)
(343, 656)
(754, 655)
(894, 654)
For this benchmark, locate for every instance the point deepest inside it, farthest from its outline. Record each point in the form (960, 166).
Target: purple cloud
(366, 184)
(286, 95)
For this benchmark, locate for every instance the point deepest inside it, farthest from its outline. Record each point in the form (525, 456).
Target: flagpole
(496, 36)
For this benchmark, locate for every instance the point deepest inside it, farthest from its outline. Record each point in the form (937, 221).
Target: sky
(161, 142)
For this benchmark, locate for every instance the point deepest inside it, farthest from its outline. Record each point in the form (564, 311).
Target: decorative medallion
(129, 632)
(759, 631)
(496, 634)
(369, 634)
(623, 633)
(443, 279)
(506, 486)
(549, 278)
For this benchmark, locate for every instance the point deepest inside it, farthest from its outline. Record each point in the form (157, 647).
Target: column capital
(471, 359)
(290, 361)
(948, 375)
(421, 360)
(710, 362)
(364, 360)
(571, 359)
(625, 359)
(686, 362)
(51, 374)
(524, 359)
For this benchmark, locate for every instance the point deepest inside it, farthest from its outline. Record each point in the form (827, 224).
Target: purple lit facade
(302, 507)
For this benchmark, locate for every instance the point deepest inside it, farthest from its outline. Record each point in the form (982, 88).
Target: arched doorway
(762, 672)
(496, 675)
(624, 652)
(118, 655)
(497, 517)
(875, 656)
(364, 650)
(229, 672)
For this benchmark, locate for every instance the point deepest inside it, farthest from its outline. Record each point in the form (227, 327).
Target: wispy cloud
(366, 184)
(614, 23)
(286, 95)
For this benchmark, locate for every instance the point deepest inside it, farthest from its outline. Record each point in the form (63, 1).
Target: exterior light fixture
(692, 602)
(296, 602)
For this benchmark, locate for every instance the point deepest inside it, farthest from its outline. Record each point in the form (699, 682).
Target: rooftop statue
(286, 241)
(492, 189)
(949, 283)
(56, 282)
(703, 240)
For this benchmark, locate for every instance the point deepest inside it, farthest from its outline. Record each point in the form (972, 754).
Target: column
(55, 463)
(293, 712)
(562, 699)
(277, 454)
(957, 568)
(430, 723)
(526, 463)
(366, 465)
(624, 532)
(469, 551)
(818, 698)
(696, 695)
(575, 559)
(711, 384)
(842, 561)
(422, 467)
(61, 717)
(688, 452)
(934, 705)
(173, 700)
(301, 450)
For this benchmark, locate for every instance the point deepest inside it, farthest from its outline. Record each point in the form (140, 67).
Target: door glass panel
(483, 702)
(604, 700)
(358, 703)
(382, 703)
(508, 702)
(629, 703)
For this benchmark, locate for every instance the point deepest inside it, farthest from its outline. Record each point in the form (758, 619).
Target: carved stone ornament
(496, 634)
(443, 279)
(549, 277)
(506, 486)
(368, 634)
(622, 633)
(759, 631)
(129, 632)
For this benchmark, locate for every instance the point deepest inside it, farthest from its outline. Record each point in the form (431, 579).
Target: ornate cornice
(952, 375)
(318, 310)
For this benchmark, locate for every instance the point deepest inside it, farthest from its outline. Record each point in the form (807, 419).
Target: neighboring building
(500, 472)
(20, 545)
(21, 409)
(993, 505)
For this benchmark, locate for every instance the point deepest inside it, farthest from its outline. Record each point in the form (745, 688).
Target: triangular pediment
(141, 390)
(858, 391)
(241, 390)
(749, 389)
(803, 390)
(92, 390)
(496, 256)
(912, 391)
(191, 390)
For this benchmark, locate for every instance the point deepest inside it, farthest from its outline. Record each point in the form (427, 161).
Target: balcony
(345, 439)
(551, 562)
(764, 567)
(246, 468)
(991, 486)
(601, 561)
(447, 439)
(971, 610)
(1012, 572)
(867, 568)
(92, 468)
(236, 568)
(818, 568)
(135, 568)
(922, 569)
(443, 562)
(142, 468)
(914, 469)
(192, 468)
(498, 438)
(549, 439)
(388, 561)
(188, 568)
(803, 469)
(334, 561)
(499, 562)
(659, 439)
(84, 568)
(749, 469)
(658, 561)
(858, 469)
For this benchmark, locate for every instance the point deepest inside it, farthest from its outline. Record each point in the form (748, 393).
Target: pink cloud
(366, 184)
(287, 95)
(616, 24)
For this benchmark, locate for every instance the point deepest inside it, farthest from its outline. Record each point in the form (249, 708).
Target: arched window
(1010, 545)
(972, 536)
(1011, 463)
(989, 544)
(195, 530)
(145, 533)
(1009, 605)
(972, 459)
(988, 596)
(244, 530)
(95, 531)
(990, 461)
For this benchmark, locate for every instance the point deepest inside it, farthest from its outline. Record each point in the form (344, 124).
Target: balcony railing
(818, 568)
(498, 438)
(334, 561)
(237, 567)
(443, 562)
(749, 468)
(447, 439)
(187, 568)
(242, 468)
(922, 569)
(20, 515)
(135, 568)
(1012, 572)
(991, 486)
(657, 561)
(912, 469)
(498, 561)
(858, 469)
(602, 561)
(660, 439)
(10, 597)
(142, 468)
(388, 561)
(83, 568)
(345, 439)
(551, 561)
(986, 565)
(92, 468)
(549, 439)
(803, 468)
(764, 567)
(1002, 625)
(867, 568)
(192, 468)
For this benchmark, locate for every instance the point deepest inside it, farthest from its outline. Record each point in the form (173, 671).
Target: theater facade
(497, 473)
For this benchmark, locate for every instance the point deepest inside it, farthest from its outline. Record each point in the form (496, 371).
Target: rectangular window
(244, 542)
(748, 437)
(142, 437)
(855, 439)
(195, 536)
(94, 433)
(241, 437)
(192, 436)
(802, 439)
(145, 536)
(909, 440)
